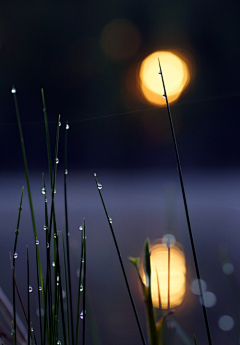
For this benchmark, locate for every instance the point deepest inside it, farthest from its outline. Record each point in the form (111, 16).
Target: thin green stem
(14, 258)
(84, 283)
(185, 205)
(67, 236)
(80, 288)
(28, 186)
(66, 287)
(99, 187)
(28, 298)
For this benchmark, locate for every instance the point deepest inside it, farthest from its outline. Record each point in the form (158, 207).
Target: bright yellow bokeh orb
(159, 275)
(175, 73)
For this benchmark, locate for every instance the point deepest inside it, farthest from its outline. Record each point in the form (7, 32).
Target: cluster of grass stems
(52, 313)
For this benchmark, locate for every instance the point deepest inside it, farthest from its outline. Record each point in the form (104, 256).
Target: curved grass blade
(14, 258)
(185, 205)
(68, 281)
(99, 187)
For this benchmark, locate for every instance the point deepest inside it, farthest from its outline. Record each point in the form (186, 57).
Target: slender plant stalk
(48, 287)
(69, 290)
(80, 287)
(66, 287)
(185, 205)
(66, 341)
(28, 298)
(14, 258)
(99, 186)
(28, 184)
(169, 255)
(84, 284)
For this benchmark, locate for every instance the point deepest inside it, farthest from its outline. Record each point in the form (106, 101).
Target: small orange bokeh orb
(175, 73)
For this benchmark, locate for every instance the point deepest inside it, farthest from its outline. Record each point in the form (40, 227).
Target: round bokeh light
(175, 73)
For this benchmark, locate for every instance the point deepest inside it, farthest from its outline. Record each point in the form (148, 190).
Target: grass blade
(185, 206)
(66, 287)
(80, 287)
(29, 289)
(28, 185)
(84, 282)
(99, 187)
(68, 282)
(14, 258)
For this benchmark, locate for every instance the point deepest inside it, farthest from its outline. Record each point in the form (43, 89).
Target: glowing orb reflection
(159, 274)
(175, 72)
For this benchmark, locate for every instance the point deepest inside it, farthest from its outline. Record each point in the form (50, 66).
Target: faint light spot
(194, 286)
(209, 299)
(175, 73)
(228, 268)
(226, 323)
(120, 39)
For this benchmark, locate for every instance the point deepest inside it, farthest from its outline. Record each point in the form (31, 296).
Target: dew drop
(67, 126)
(40, 288)
(13, 90)
(43, 190)
(46, 200)
(82, 314)
(110, 220)
(228, 268)
(48, 245)
(81, 287)
(15, 255)
(81, 228)
(55, 191)
(32, 329)
(37, 242)
(160, 73)
(12, 331)
(38, 312)
(209, 299)
(30, 288)
(53, 264)
(82, 260)
(55, 235)
(164, 96)
(95, 175)
(194, 286)
(99, 186)
(45, 227)
(169, 240)
(59, 342)
(66, 172)
(56, 160)
(226, 323)
(59, 123)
